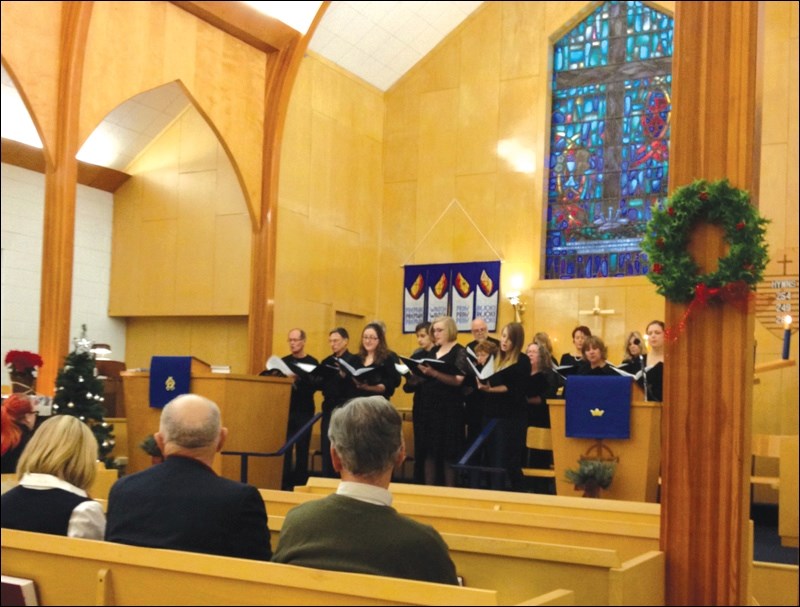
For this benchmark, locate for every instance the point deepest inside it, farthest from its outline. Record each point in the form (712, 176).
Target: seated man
(182, 504)
(356, 529)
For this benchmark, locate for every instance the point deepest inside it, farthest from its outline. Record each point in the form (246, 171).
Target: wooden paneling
(164, 43)
(181, 241)
(218, 340)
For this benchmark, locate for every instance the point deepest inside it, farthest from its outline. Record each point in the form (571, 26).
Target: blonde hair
(449, 326)
(63, 447)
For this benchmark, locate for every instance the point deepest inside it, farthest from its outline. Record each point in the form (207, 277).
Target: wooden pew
(609, 510)
(518, 569)
(99, 489)
(629, 539)
(69, 571)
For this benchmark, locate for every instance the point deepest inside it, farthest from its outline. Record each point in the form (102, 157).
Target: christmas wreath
(672, 268)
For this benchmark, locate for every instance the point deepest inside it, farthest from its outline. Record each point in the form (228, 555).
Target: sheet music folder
(598, 406)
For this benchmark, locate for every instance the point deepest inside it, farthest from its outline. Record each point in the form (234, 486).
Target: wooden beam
(281, 73)
(59, 199)
(245, 23)
(32, 158)
(709, 368)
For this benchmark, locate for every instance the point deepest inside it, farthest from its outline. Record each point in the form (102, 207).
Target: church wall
(181, 261)
(775, 396)
(360, 194)
(485, 86)
(22, 210)
(330, 206)
(488, 82)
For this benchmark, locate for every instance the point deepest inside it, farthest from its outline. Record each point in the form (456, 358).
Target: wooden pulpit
(254, 409)
(636, 476)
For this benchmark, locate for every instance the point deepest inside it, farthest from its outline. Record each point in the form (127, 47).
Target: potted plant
(22, 367)
(592, 475)
(150, 446)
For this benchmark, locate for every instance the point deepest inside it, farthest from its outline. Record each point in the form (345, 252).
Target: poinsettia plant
(23, 362)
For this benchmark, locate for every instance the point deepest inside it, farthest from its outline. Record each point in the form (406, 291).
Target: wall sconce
(517, 304)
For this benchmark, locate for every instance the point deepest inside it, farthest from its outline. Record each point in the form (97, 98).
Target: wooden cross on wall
(597, 311)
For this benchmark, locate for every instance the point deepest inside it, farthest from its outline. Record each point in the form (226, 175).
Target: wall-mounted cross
(597, 310)
(785, 261)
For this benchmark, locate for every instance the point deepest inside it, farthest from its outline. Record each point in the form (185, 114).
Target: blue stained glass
(596, 219)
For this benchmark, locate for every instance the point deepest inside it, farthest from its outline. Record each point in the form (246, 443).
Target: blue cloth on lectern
(169, 377)
(598, 406)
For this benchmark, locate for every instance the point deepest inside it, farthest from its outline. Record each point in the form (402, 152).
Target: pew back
(601, 509)
(521, 569)
(70, 571)
(629, 539)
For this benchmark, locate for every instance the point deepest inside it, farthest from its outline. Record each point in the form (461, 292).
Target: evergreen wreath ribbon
(672, 268)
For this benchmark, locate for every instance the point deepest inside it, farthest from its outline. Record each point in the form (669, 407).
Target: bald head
(479, 329)
(191, 423)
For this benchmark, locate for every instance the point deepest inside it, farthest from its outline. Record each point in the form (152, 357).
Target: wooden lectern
(254, 409)
(636, 477)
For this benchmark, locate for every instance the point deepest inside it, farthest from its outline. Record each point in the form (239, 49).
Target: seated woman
(16, 422)
(635, 357)
(655, 360)
(56, 468)
(596, 353)
(577, 360)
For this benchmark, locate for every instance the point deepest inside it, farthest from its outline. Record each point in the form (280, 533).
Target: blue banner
(487, 293)
(462, 290)
(169, 377)
(437, 291)
(414, 298)
(598, 406)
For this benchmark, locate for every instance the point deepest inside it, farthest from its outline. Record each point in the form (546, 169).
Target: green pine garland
(672, 268)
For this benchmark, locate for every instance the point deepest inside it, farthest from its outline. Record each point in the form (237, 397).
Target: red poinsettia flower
(658, 268)
(22, 361)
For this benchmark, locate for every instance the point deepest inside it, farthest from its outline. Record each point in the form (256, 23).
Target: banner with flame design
(461, 290)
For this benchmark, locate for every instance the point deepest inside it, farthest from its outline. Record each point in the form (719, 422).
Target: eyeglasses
(370, 338)
(291, 339)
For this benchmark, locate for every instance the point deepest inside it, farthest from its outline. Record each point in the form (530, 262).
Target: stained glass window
(609, 140)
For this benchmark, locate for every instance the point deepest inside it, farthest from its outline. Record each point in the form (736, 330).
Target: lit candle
(787, 335)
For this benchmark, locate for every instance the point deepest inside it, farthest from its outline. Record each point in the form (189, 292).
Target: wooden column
(281, 74)
(709, 369)
(61, 179)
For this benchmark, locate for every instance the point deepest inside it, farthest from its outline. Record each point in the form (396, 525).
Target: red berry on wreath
(658, 268)
(704, 196)
(740, 225)
(660, 242)
(671, 211)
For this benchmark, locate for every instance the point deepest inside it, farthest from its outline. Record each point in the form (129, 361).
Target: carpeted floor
(766, 541)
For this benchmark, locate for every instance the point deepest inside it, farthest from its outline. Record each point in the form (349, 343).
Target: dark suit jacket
(183, 505)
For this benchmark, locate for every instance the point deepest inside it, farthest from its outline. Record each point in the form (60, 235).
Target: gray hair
(191, 421)
(367, 435)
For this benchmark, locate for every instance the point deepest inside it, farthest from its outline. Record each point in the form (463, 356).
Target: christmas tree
(80, 393)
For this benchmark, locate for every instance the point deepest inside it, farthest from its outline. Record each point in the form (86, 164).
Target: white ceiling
(381, 41)
(376, 41)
